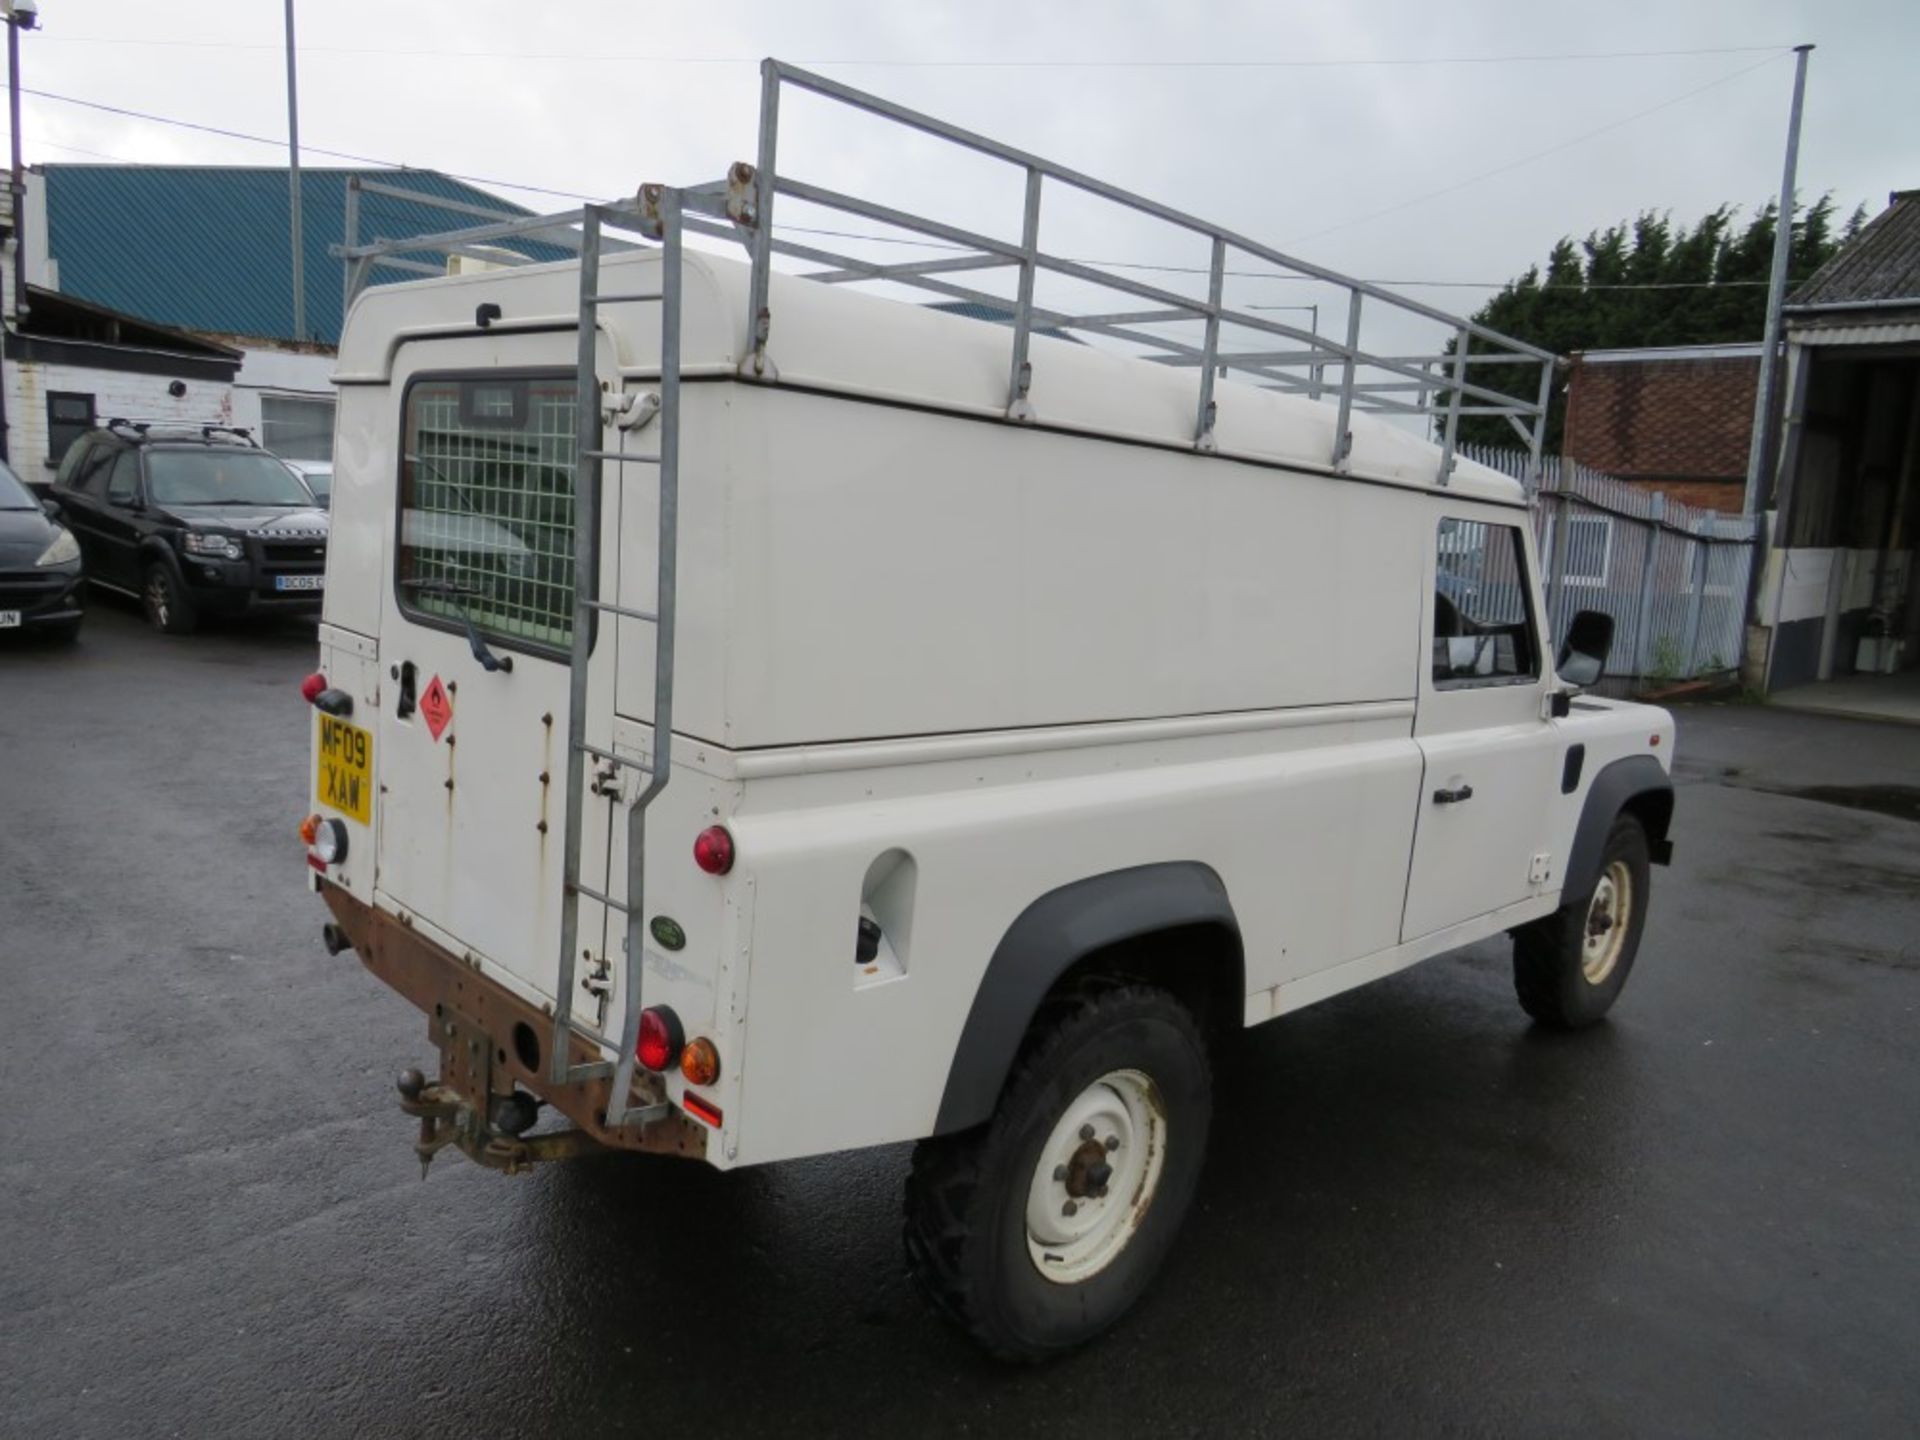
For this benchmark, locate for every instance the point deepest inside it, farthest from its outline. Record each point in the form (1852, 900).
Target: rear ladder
(656, 214)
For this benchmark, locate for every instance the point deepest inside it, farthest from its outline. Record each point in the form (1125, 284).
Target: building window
(295, 428)
(69, 416)
(1589, 549)
(486, 505)
(1482, 617)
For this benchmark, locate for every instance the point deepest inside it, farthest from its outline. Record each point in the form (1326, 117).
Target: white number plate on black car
(299, 582)
(9, 619)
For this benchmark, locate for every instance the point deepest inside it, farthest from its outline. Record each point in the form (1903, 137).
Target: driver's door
(1489, 750)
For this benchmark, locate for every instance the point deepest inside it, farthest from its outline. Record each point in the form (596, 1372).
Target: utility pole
(293, 184)
(1760, 444)
(20, 15)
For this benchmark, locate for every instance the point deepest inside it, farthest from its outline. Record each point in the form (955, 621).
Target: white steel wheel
(1609, 920)
(1096, 1177)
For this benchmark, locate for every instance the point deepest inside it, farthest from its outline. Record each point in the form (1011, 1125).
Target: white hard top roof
(831, 338)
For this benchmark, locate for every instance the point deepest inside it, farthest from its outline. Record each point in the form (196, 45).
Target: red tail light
(713, 850)
(311, 687)
(661, 1039)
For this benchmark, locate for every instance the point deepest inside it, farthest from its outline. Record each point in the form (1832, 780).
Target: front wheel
(1569, 967)
(165, 600)
(1038, 1230)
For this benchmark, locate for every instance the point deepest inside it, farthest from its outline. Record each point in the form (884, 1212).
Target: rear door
(472, 761)
(118, 522)
(1490, 753)
(81, 491)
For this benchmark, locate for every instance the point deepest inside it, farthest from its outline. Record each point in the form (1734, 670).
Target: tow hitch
(495, 1141)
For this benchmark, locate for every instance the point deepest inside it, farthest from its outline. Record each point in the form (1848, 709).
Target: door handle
(1454, 796)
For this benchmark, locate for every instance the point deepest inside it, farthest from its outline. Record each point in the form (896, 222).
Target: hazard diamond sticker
(436, 708)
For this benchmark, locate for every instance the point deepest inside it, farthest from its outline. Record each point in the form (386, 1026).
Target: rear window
(486, 505)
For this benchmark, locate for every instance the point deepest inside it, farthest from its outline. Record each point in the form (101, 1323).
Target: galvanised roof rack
(130, 429)
(1440, 384)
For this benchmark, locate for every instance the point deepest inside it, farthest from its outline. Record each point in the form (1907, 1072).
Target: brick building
(1677, 419)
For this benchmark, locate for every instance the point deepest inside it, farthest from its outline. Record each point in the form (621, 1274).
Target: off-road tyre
(1560, 980)
(165, 601)
(967, 1196)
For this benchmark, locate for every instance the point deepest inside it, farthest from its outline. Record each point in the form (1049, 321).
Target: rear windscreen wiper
(456, 592)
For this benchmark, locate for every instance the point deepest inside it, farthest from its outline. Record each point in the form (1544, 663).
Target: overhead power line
(278, 141)
(919, 243)
(881, 62)
(1566, 144)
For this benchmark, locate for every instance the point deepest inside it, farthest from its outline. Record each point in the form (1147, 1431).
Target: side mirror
(50, 508)
(1583, 657)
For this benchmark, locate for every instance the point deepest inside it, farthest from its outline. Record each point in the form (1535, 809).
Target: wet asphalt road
(1420, 1215)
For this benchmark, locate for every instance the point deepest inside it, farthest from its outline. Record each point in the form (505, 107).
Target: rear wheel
(165, 600)
(1038, 1230)
(1570, 967)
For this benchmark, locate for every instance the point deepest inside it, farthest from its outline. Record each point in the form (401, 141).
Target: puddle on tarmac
(1902, 802)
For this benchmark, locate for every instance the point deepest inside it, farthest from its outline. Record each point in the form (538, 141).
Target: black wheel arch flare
(1636, 784)
(1064, 927)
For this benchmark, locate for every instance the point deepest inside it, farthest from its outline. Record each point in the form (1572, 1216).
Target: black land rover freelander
(192, 521)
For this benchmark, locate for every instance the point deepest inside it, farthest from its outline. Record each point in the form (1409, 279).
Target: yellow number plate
(344, 773)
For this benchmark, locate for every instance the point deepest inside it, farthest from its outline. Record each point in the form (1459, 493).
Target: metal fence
(1673, 577)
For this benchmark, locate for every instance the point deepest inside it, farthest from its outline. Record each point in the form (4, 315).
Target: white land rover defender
(757, 718)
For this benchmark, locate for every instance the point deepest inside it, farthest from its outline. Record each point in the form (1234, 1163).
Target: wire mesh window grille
(486, 495)
(1482, 622)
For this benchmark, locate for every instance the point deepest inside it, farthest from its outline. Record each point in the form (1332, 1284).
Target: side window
(69, 416)
(486, 505)
(125, 480)
(96, 459)
(1483, 630)
(75, 463)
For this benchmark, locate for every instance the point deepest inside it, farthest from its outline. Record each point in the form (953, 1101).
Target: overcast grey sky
(595, 96)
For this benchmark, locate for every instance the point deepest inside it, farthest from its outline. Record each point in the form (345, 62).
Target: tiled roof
(1882, 263)
(208, 247)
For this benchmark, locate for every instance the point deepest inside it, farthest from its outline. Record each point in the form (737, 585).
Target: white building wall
(266, 372)
(116, 395)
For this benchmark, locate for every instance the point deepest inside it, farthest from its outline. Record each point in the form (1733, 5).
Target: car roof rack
(142, 430)
(1457, 376)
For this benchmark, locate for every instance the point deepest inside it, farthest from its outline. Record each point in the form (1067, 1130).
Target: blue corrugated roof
(208, 247)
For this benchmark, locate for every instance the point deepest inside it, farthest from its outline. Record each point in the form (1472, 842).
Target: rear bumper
(483, 1032)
